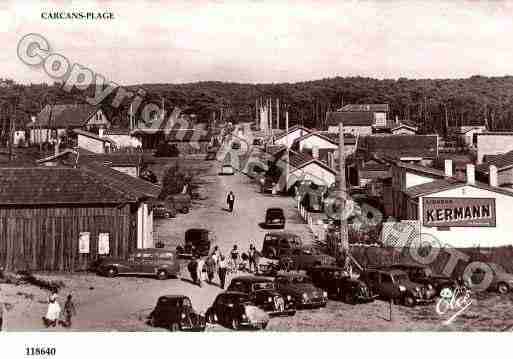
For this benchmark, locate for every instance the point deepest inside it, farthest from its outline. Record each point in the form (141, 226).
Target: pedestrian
(54, 310)
(69, 311)
(199, 270)
(215, 254)
(234, 255)
(223, 267)
(3, 305)
(230, 199)
(252, 258)
(210, 266)
(192, 267)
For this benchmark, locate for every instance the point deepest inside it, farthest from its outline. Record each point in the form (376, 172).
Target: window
(147, 256)
(166, 256)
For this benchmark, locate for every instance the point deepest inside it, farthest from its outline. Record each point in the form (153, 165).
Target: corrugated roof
(445, 184)
(424, 146)
(292, 129)
(420, 169)
(502, 162)
(372, 107)
(350, 118)
(64, 116)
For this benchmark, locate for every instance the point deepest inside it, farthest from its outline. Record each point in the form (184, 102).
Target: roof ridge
(95, 177)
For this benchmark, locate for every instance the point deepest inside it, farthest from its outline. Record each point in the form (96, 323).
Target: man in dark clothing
(230, 199)
(222, 268)
(193, 267)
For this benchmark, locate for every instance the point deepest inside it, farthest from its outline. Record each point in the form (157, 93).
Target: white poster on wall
(103, 243)
(83, 242)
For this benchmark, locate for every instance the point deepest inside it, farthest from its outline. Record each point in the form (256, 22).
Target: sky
(266, 41)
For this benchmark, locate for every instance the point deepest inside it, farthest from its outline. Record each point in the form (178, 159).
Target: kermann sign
(458, 212)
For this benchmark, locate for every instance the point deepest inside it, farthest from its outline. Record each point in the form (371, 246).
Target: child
(69, 311)
(54, 310)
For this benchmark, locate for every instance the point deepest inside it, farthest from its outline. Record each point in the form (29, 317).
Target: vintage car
(305, 258)
(263, 293)
(227, 170)
(236, 310)
(161, 263)
(424, 275)
(301, 289)
(502, 281)
(277, 244)
(394, 284)
(340, 285)
(197, 243)
(268, 267)
(175, 312)
(274, 217)
(162, 210)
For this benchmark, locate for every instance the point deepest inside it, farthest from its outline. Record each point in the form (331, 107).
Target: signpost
(458, 212)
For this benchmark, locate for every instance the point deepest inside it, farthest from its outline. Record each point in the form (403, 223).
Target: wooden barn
(62, 218)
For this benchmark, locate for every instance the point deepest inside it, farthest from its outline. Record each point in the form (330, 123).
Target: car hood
(109, 260)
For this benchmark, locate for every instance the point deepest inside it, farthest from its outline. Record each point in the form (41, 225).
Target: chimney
(56, 147)
(448, 168)
(493, 177)
(396, 119)
(33, 119)
(315, 152)
(100, 131)
(471, 176)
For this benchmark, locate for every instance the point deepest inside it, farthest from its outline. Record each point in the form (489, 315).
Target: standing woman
(54, 310)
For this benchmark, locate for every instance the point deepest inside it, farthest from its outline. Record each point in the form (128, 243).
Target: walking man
(223, 267)
(210, 265)
(230, 199)
(69, 311)
(252, 258)
(3, 305)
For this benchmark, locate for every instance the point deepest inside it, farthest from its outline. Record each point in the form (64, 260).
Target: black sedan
(175, 312)
(263, 293)
(236, 310)
(301, 289)
(274, 217)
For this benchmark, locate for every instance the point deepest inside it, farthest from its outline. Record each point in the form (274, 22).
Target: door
(134, 264)
(147, 264)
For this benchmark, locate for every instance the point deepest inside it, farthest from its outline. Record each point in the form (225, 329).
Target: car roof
(275, 209)
(283, 234)
(174, 296)
(252, 279)
(292, 275)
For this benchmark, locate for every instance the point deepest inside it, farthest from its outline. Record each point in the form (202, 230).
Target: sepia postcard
(257, 166)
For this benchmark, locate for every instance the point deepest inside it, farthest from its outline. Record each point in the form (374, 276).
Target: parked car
(197, 243)
(180, 202)
(340, 285)
(263, 293)
(301, 289)
(227, 169)
(394, 284)
(236, 310)
(161, 263)
(305, 259)
(274, 217)
(424, 275)
(268, 267)
(277, 244)
(175, 312)
(267, 185)
(502, 281)
(162, 210)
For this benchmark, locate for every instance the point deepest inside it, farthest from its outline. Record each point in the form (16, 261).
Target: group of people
(204, 269)
(54, 311)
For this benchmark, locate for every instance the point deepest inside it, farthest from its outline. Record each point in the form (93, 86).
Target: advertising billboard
(458, 212)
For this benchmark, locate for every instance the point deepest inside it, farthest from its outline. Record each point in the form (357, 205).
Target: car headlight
(402, 288)
(417, 289)
(289, 297)
(325, 294)
(244, 316)
(305, 296)
(430, 287)
(269, 299)
(183, 315)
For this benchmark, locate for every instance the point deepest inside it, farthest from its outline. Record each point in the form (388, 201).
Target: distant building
(123, 138)
(94, 143)
(467, 134)
(503, 165)
(288, 138)
(359, 119)
(57, 119)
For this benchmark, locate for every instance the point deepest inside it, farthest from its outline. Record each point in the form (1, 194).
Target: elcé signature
(458, 299)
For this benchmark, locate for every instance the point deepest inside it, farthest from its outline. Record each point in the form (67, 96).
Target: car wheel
(264, 325)
(348, 298)
(235, 324)
(211, 318)
(162, 274)
(185, 210)
(409, 301)
(175, 327)
(152, 322)
(167, 215)
(502, 288)
(112, 272)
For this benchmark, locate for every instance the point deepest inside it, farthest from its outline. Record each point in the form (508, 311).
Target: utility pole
(342, 190)
(12, 121)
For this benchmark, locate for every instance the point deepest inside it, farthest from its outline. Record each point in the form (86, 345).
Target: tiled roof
(375, 107)
(350, 118)
(115, 159)
(64, 116)
(375, 166)
(292, 129)
(502, 161)
(496, 133)
(274, 149)
(51, 185)
(424, 146)
(298, 160)
(445, 184)
(185, 135)
(420, 169)
(333, 137)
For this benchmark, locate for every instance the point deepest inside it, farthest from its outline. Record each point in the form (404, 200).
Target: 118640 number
(40, 351)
